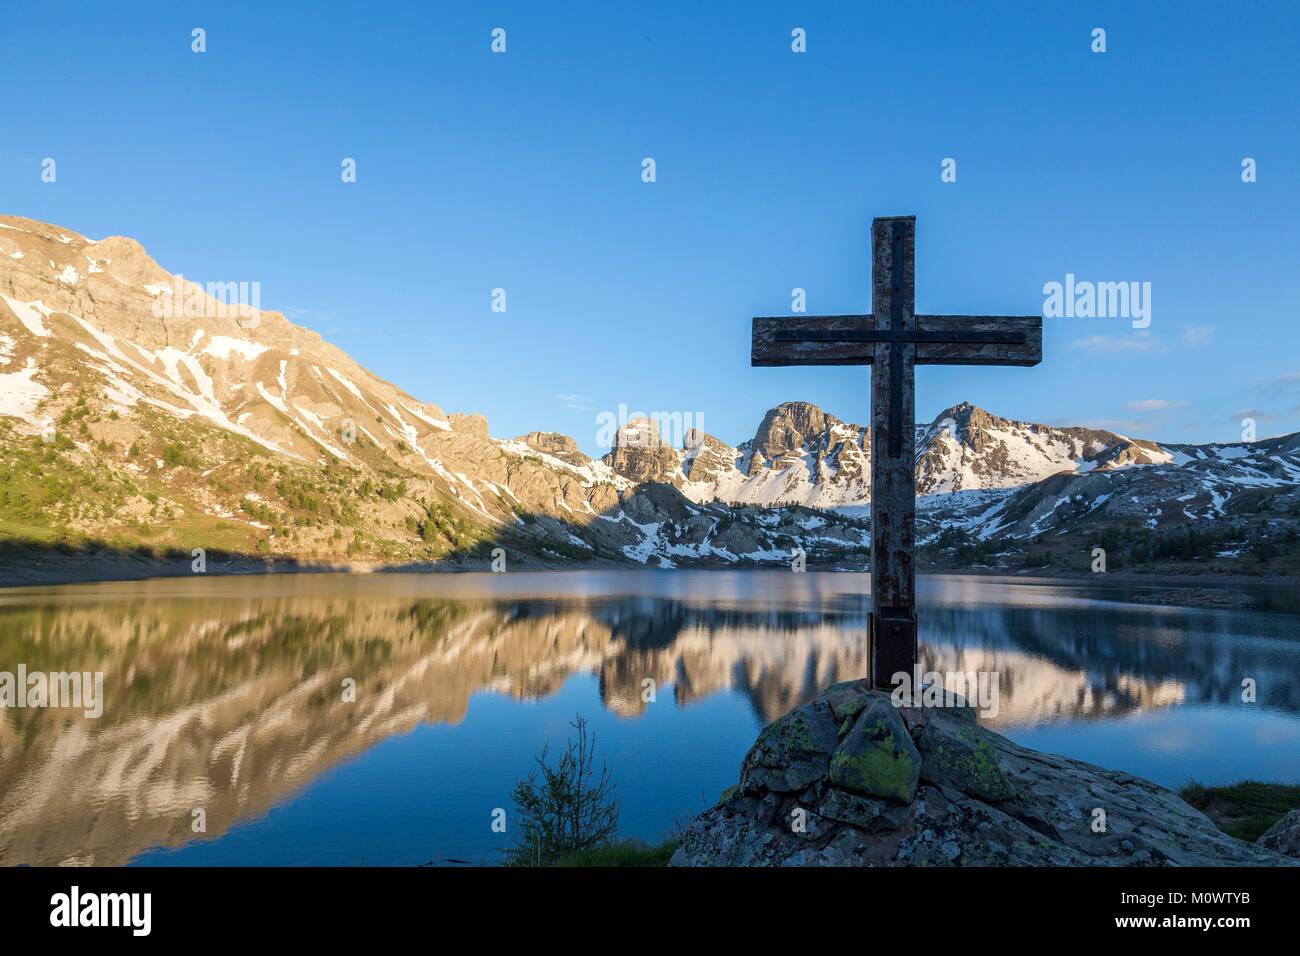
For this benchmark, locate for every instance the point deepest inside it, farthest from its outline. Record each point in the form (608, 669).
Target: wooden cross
(894, 339)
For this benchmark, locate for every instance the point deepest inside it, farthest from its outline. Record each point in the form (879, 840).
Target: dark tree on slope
(566, 808)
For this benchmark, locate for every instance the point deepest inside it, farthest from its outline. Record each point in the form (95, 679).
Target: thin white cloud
(577, 403)
(1255, 413)
(1154, 405)
(1194, 336)
(1138, 342)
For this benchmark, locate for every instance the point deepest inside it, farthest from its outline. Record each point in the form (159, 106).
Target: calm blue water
(226, 696)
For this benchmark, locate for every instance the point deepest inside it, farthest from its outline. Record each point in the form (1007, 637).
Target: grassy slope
(623, 853)
(1244, 810)
(153, 487)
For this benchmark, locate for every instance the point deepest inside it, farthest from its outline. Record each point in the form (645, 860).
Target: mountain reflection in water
(228, 694)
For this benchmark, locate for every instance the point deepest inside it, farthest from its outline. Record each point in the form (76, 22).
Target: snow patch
(221, 346)
(200, 403)
(29, 314)
(20, 393)
(441, 423)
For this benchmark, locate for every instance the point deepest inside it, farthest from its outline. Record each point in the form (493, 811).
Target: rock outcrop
(553, 443)
(851, 779)
(640, 454)
(708, 461)
(1284, 836)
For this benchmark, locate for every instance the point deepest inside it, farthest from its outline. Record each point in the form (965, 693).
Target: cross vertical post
(893, 449)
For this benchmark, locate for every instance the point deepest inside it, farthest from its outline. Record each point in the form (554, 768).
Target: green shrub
(565, 809)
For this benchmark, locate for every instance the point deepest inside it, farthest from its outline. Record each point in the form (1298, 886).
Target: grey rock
(849, 698)
(851, 808)
(1284, 836)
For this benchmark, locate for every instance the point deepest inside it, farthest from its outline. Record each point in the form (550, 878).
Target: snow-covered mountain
(992, 490)
(803, 455)
(1206, 488)
(139, 410)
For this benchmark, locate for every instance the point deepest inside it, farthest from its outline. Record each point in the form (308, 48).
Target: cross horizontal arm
(939, 340)
(768, 349)
(902, 335)
(979, 339)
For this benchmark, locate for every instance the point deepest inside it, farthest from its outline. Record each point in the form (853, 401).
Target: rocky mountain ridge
(139, 410)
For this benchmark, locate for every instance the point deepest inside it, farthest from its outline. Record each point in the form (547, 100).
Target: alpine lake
(383, 719)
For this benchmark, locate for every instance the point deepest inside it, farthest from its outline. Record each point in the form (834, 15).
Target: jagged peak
(789, 426)
(967, 415)
(640, 431)
(796, 405)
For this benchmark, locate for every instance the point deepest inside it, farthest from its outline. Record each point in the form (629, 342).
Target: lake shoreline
(51, 568)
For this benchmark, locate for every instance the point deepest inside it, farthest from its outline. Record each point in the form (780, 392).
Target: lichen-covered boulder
(958, 754)
(877, 757)
(792, 752)
(853, 780)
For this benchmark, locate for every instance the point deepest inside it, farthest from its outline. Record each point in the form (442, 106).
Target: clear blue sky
(523, 171)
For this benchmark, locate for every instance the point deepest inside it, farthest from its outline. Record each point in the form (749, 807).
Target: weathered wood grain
(893, 449)
(1025, 353)
(767, 350)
